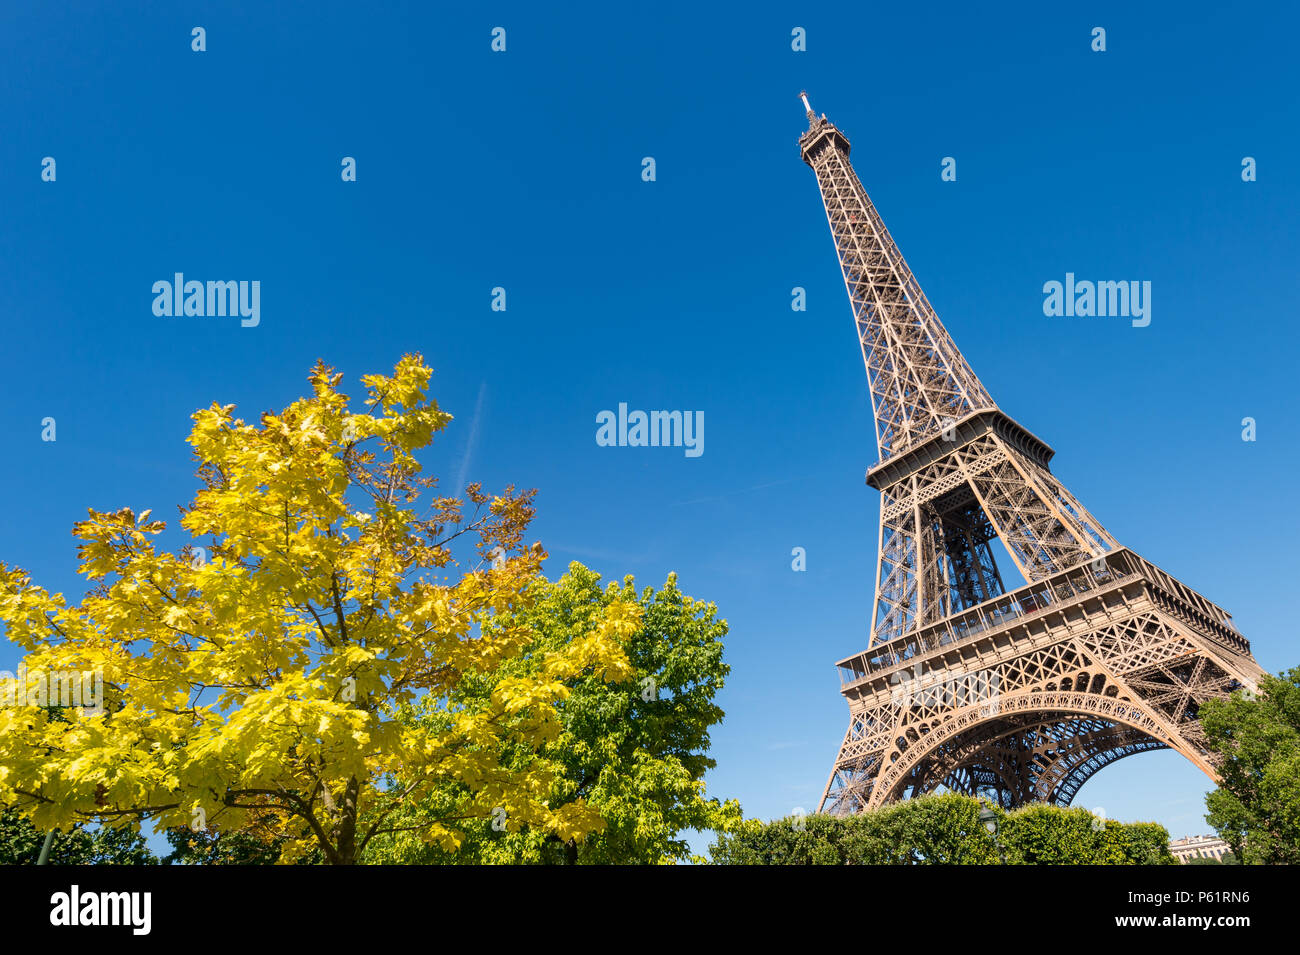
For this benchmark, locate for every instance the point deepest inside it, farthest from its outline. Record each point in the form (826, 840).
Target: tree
(20, 844)
(224, 848)
(1256, 808)
(933, 830)
(941, 829)
(251, 682)
(634, 751)
(1039, 834)
(1226, 859)
(795, 840)
(945, 829)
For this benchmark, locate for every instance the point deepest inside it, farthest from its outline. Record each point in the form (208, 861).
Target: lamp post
(989, 820)
(44, 857)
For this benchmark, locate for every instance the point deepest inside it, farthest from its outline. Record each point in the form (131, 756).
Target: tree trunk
(347, 839)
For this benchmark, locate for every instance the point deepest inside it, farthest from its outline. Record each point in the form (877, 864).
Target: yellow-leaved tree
(251, 679)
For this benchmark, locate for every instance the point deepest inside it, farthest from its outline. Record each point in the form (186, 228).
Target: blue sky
(522, 170)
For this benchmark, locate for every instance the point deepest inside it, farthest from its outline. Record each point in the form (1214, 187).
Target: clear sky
(523, 170)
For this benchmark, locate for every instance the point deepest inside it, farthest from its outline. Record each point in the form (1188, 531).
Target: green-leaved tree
(946, 829)
(1256, 808)
(20, 844)
(635, 750)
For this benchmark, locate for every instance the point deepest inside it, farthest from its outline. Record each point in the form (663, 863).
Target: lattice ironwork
(1015, 695)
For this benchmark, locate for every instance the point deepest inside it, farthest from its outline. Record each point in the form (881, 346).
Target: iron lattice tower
(1016, 695)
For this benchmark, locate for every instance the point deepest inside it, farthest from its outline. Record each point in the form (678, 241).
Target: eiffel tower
(965, 686)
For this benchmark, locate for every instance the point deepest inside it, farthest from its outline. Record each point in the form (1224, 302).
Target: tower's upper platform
(821, 133)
